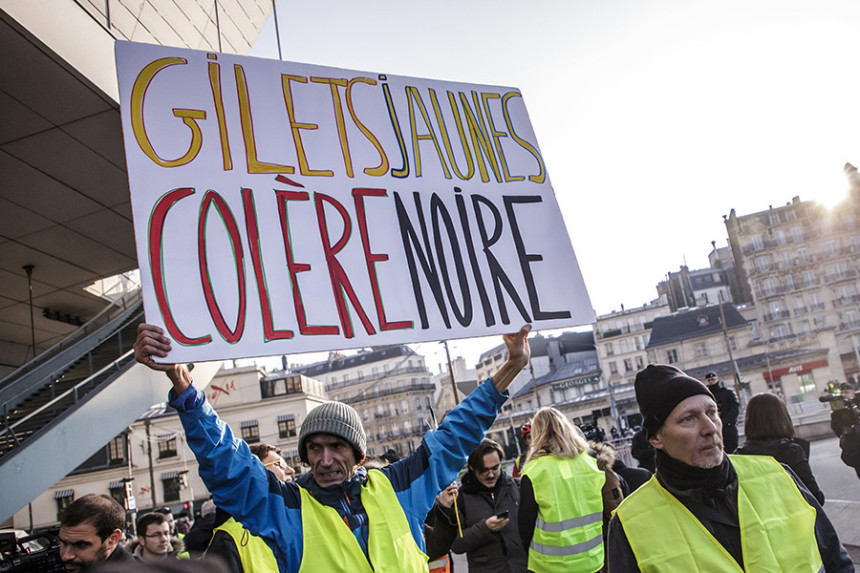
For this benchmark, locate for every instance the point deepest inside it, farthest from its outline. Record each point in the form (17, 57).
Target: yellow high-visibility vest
(253, 551)
(330, 546)
(777, 526)
(568, 535)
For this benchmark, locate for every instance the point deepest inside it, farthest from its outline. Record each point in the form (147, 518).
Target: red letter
(269, 331)
(296, 268)
(339, 281)
(358, 194)
(156, 228)
(230, 336)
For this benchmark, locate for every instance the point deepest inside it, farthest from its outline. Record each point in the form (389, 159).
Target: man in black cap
(728, 407)
(706, 511)
(343, 517)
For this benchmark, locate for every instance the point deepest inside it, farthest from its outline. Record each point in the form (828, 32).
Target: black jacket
(792, 452)
(487, 551)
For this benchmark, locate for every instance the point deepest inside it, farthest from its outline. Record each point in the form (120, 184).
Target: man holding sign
(383, 510)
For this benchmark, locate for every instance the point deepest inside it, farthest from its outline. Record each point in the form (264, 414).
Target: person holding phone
(485, 514)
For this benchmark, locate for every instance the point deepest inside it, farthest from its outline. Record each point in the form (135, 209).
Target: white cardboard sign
(283, 207)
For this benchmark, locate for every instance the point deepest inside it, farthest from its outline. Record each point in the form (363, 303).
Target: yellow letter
(382, 168)
(541, 176)
(188, 116)
(254, 165)
(215, 85)
(413, 94)
(338, 116)
(296, 126)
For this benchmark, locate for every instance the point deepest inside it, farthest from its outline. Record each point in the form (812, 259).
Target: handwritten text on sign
(283, 207)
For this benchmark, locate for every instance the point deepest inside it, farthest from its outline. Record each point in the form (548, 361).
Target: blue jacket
(271, 509)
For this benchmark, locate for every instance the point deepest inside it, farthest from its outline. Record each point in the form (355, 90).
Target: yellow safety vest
(330, 546)
(777, 526)
(253, 551)
(568, 533)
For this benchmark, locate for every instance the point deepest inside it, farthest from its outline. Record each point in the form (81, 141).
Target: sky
(655, 118)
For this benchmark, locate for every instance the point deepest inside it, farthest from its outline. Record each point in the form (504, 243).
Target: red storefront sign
(804, 368)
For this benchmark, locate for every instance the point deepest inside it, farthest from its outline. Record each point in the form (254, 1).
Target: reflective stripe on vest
(568, 533)
(329, 545)
(441, 565)
(253, 551)
(777, 526)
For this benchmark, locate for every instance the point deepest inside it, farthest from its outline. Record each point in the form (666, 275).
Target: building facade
(391, 389)
(801, 262)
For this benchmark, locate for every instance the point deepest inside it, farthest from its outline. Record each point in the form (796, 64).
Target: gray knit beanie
(337, 419)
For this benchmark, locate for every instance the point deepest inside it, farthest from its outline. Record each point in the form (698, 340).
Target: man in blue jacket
(342, 518)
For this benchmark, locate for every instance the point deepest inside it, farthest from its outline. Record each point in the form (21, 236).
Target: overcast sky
(655, 118)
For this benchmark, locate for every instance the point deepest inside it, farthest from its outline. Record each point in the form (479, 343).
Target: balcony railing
(837, 277)
(378, 376)
(369, 394)
(846, 301)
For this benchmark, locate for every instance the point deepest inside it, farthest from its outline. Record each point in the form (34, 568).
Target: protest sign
(283, 207)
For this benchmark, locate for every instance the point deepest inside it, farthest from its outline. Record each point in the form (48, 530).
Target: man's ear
(114, 538)
(656, 440)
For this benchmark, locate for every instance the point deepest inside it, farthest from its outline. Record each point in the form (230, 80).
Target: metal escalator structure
(72, 399)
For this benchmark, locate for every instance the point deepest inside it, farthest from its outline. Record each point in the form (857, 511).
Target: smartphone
(503, 515)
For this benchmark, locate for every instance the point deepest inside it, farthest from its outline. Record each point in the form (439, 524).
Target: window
(364, 414)
(762, 264)
(758, 243)
(117, 492)
(769, 286)
(116, 451)
(250, 431)
(417, 403)
(287, 425)
(786, 259)
(807, 383)
(640, 363)
(672, 356)
(733, 345)
(404, 407)
(830, 247)
(613, 368)
(789, 282)
(779, 237)
(610, 349)
(628, 365)
(773, 218)
(166, 446)
(281, 386)
(808, 278)
(392, 409)
(701, 350)
(171, 484)
(797, 234)
(803, 255)
(780, 331)
(790, 215)
(803, 327)
(64, 499)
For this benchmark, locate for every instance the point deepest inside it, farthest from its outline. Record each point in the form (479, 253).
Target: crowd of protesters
(571, 504)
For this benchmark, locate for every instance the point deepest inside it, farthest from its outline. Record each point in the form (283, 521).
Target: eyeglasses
(157, 535)
(495, 469)
(279, 462)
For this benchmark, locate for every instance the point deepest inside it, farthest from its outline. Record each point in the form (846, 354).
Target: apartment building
(151, 461)
(390, 387)
(800, 261)
(719, 338)
(622, 336)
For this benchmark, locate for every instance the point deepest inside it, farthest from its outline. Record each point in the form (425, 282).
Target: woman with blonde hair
(564, 498)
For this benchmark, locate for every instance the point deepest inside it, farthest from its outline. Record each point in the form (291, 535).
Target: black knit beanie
(659, 388)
